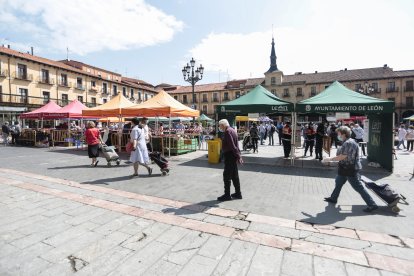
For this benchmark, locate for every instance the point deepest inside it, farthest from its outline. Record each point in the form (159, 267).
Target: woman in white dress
(139, 154)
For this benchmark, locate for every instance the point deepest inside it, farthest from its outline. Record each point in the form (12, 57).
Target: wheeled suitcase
(110, 155)
(161, 162)
(385, 193)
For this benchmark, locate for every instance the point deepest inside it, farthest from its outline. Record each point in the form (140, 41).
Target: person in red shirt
(93, 139)
(309, 139)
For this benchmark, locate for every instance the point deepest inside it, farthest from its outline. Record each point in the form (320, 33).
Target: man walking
(286, 139)
(271, 130)
(5, 129)
(401, 136)
(231, 152)
(359, 136)
(262, 131)
(279, 129)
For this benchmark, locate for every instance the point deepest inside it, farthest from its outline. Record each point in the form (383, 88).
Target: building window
(64, 79)
(22, 71)
(46, 97)
(241, 85)
(358, 87)
(286, 92)
(374, 87)
(23, 95)
(409, 101)
(93, 101)
(176, 98)
(391, 87)
(93, 83)
(226, 96)
(132, 93)
(299, 92)
(114, 90)
(105, 88)
(104, 101)
(273, 81)
(195, 98)
(79, 83)
(205, 109)
(273, 91)
(139, 96)
(185, 99)
(409, 86)
(205, 98)
(65, 99)
(80, 98)
(237, 94)
(124, 91)
(45, 76)
(215, 97)
(146, 97)
(326, 86)
(313, 90)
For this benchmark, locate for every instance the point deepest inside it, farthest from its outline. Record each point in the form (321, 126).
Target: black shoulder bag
(347, 169)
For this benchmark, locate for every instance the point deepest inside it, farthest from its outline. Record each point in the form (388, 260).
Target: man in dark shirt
(231, 152)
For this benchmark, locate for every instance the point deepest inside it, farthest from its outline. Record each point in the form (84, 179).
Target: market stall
(339, 99)
(163, 105)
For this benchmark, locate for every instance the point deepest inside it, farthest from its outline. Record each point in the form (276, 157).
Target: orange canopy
(109, 109)
(160, 105)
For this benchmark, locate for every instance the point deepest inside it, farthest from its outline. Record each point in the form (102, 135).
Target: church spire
(273, 65)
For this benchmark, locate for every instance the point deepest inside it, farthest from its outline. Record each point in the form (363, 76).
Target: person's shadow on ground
(191, 209)
(333, 214)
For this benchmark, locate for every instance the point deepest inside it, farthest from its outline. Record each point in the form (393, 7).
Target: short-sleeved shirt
(92, 136)
(351, 149)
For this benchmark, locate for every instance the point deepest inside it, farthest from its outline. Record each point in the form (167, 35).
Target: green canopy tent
(338, 98)
(257, 100)
(203, 117)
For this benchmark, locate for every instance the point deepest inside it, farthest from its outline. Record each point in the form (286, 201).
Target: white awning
(12, 109)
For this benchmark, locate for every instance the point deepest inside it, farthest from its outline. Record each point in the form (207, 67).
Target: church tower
(273, 76)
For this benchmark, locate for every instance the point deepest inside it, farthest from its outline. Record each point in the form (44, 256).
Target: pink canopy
(40, 112)
(72, 110)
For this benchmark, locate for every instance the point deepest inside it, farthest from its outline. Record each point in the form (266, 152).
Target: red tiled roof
(78, 64)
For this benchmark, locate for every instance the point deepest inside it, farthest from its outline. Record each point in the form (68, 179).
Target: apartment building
(28, 82)
(381, 82)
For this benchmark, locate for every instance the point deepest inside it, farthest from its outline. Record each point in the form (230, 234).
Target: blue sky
(153, 39)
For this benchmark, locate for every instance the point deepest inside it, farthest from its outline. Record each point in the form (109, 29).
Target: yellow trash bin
(213, 151)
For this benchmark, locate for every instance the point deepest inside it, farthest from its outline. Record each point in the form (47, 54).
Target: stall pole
(293, 139)
(169, 137)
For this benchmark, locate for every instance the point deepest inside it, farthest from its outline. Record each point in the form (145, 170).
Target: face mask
(340, 138)
(220, 130)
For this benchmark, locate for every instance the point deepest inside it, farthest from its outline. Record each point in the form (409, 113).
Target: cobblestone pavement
(53, 226)
(270, 185)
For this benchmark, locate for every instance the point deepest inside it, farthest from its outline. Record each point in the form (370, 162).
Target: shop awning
(160, 105)
(50, 107)
(109, 109)
(204, 117)
(338, 98)
(257, 100)
(72, 110)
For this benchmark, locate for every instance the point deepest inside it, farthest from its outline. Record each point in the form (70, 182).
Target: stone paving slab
(182, 245)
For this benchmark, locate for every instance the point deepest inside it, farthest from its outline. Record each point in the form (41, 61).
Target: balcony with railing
(80, 87)
(93, 89)
(408, 88)
(22, 76)
(285, 95)
(392, 89)
(91, 104)
(215, 100)
(16, 99)
(106, 91)
(48, 81)
(205, 100)
(63, 83)
(4, 73)
(299, 94)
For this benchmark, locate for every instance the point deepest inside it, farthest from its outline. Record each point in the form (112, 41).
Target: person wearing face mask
(349, 166)
(231, 153)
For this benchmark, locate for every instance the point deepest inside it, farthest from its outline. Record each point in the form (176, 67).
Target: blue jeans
(401, 142)
(261, 137)
(356, 184)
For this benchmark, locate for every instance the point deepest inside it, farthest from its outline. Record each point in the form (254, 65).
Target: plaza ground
(59, 215)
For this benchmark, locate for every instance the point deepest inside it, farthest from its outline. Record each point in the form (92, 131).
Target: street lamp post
(192, 76)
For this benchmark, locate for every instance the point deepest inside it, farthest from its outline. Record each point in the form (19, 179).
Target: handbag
(347, 169)
(129, 147)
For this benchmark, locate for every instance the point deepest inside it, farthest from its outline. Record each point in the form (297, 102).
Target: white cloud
(89, 25)
(338, 34)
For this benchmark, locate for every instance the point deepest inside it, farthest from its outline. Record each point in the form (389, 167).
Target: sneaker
(236, 196)
(369, 209)
(330, 200)
(224, 198)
